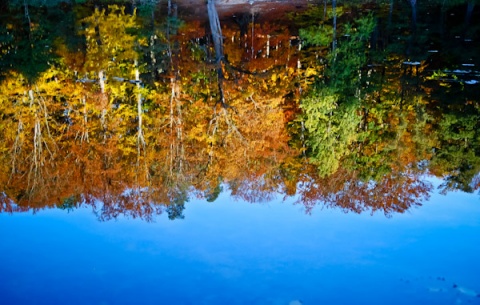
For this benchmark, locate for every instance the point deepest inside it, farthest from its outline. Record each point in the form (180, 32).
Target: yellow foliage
(310, 72)
(274, 77)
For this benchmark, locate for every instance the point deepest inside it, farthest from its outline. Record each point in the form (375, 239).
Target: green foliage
(350, 56)
(174, 24)
(458, 157)
(315, 15)
(212, 194)
(177, 204)
(320, 35)
(331, 126)
(69, 204)
(38, 3)
(6, 46)
(331, 109)
(26, 44)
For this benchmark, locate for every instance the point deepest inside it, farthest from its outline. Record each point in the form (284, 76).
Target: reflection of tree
(134, 204)
(136, 122)
(26, 41)
(457, 157)
(31, 135)
(177, 203)
(331, 109)
(394, 193)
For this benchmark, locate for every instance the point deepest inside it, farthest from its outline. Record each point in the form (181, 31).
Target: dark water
(156, 152)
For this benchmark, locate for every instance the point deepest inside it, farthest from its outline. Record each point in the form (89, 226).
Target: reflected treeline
(133, 108)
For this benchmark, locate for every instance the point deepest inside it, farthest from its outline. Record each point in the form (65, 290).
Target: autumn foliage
(136, 119)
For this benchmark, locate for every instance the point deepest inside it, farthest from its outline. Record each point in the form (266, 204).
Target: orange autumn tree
(33, 134)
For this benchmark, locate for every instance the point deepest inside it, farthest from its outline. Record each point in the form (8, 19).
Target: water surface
(241, 253)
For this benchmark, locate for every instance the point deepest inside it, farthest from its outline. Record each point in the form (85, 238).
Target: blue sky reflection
(232, 252)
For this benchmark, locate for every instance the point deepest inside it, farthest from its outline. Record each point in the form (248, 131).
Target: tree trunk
(413, 3)
(334, 12)
(324, 10)
(140, 137)
(216, 30)
(218, 46)
(468, 15)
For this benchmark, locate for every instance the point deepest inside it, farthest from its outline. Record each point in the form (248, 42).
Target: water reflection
(233, 252)
(134, 109)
